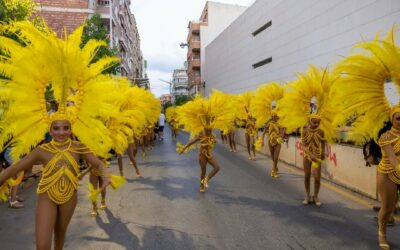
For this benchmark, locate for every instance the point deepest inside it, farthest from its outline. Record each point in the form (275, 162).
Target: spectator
(161, 123)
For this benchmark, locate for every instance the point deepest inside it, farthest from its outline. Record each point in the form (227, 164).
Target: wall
(220, 16)
(343, 165)
(302, 33)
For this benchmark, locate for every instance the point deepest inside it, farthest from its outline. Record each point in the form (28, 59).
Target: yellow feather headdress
(85, 96)
(360, 93)
(265, 102)
(213, 113)
(297, 106)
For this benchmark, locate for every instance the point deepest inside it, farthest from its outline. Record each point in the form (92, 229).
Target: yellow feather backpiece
(360, 91)
(264, 98)
(170, 113)
(130, 120)
(243, 104)
(295, 107)
(214, 113)
(85, 97)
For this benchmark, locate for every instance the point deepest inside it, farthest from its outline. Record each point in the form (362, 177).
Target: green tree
(94, 29)
(16, 10)
(181, 99)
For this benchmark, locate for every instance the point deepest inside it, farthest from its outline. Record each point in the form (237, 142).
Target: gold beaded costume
(207, 144)
(313, 139)
(251, 127)
(60, 175)
(275, 133)
(391, 137)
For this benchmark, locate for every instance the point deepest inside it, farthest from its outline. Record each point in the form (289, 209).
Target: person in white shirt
(161, 123)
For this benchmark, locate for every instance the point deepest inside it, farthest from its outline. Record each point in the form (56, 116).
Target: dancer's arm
(190, 143)
(323, 145)
(20, 165)
(99, 164)
(392, 156)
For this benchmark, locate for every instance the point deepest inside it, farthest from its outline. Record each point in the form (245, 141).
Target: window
(262, 28)
(103, 2)
(263, 62)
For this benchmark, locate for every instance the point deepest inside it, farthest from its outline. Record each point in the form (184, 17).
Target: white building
(274, 39)
(179, 83)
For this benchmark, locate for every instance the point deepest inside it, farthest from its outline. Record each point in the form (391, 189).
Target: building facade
(117, 19)
(165, 98)
(179, 83)
(275, 39)
(213, 20)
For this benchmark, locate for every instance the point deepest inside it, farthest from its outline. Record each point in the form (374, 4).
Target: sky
(162, 26)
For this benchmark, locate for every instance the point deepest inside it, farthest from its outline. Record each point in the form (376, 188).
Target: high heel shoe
(103, 205)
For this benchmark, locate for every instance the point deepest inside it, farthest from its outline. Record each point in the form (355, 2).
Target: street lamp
(183, 45)
(168, 82)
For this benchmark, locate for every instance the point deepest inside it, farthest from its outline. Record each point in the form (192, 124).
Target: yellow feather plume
(295, 107)
(360, 92)
(117, 181)
(264, 98)
(93, 192)
(214, 113)
(85, 96)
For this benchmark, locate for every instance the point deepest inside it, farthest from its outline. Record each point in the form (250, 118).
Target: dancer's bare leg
(317, 184)
(46, 216)
(64, 216)
(248, 145)
(94, 180)
(203, 170)
(388, 193)
(131, 147)
(120, 165)
(215, 167)
(307, 177)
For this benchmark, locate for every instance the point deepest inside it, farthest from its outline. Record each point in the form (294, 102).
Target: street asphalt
(243, 208)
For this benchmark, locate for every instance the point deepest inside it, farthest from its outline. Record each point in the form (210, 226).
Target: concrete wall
(303, 32)
(343, 165)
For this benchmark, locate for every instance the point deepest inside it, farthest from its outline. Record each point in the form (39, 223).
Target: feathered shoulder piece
(309, 97)
(215, 113)
(265, 101)
(40, 60)
(360, 93)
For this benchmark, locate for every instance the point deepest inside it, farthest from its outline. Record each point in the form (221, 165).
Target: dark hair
(371, 150)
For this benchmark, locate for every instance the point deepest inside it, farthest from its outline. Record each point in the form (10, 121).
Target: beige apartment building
(117, 19)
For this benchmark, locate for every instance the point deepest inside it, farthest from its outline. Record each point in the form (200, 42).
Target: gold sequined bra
(60, 174)
(390, 137)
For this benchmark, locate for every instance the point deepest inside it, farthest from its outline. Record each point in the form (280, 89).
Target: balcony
(195, 28)
(195, 45)
(195, 63)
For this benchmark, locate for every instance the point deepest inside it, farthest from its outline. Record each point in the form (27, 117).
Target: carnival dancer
(307, 104)
(200, 117)
(85, 98)
(360, 91)
(264, 108)
(244, 102)
(171, 115)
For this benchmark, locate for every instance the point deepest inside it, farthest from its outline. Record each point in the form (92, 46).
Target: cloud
(157, 86)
